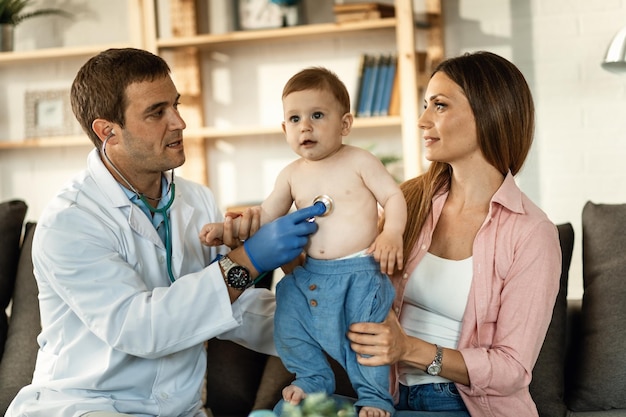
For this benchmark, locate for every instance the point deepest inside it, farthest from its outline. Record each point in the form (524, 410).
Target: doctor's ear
(103, 128)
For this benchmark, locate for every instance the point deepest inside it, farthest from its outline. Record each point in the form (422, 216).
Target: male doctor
(127, 293)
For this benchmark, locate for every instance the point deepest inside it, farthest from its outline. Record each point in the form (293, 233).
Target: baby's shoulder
(356, 152)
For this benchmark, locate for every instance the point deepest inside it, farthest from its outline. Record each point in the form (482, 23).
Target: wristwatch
(235, 275)
(435, 367)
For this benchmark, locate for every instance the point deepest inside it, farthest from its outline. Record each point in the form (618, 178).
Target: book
(385, 87)
(366, 92)
(359, 83)
(394, 102)
(379, 84)
(362, 11)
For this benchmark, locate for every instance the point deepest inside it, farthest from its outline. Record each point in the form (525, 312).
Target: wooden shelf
(51, 142)
(208, 133)
(144, 31)
(48, 54)
(231, 132)
(287, 33)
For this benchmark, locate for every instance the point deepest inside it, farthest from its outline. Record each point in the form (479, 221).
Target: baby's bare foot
(294, 394)
(373, 412)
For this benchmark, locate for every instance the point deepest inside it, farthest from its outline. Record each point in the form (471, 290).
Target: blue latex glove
(280, 241)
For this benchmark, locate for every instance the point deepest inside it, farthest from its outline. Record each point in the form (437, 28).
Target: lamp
(615, 58)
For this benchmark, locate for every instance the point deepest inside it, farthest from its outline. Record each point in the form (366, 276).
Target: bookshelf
(184, 53)
(188, 46)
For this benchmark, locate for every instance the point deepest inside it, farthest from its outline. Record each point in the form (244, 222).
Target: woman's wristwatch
(435, 367)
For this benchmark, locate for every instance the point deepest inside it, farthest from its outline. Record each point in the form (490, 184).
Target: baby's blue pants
(315, 305)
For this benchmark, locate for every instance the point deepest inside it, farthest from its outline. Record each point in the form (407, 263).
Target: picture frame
(48, 113)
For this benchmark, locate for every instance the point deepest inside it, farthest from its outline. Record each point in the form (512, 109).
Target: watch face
(259, 14)
(434, 369)
(238, 277)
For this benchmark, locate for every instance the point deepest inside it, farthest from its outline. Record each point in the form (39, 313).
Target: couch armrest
(20, 353)
(572, 340)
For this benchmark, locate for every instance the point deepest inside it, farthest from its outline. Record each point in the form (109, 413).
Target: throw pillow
(547, 386)
(12, 215)
(600, 378)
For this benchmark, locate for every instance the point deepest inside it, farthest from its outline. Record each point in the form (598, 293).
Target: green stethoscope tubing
(166, 221)
(163, 210)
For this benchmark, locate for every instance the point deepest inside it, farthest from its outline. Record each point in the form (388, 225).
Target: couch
(581, 370)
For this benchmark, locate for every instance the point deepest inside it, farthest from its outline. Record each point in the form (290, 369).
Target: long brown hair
(503, 108)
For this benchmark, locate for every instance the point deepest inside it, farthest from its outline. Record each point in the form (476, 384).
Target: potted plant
(12, 13)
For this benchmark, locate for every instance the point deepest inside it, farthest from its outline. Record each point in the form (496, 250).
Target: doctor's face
(152, 137)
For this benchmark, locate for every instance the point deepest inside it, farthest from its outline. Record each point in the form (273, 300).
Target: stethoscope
(162, 211)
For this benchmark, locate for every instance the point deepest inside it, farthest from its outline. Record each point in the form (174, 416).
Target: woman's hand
(379, 343)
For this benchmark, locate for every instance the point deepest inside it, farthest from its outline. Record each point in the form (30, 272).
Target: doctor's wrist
(240, 257)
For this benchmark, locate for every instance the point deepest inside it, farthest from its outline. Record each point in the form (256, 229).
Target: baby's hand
(212, 234)
(387, 250)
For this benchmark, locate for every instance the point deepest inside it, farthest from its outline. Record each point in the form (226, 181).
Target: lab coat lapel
(181, 214)
(139, 222)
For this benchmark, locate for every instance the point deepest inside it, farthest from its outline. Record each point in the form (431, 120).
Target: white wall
(580, 141)
(580, 144)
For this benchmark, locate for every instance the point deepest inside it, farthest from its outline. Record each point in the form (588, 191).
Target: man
(127, 293)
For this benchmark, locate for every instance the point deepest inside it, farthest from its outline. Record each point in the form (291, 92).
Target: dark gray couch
(18, 345)
(581, 370)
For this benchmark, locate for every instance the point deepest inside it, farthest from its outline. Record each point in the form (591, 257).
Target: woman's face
(448, 123)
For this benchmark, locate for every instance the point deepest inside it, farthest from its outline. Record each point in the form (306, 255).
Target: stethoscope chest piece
(327, 201)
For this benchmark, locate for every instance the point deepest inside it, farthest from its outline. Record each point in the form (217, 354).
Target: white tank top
(434, 303)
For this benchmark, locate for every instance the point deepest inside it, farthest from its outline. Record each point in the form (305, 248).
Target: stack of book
(362, 11)
(377, 93)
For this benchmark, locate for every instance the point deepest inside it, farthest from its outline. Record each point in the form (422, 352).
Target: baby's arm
(241, 224)
(387, 247)
(246, 224)
(212, 234)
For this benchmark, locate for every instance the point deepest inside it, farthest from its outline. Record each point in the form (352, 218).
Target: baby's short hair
(319, 78)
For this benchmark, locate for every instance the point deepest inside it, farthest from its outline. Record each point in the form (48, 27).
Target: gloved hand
(280, 241)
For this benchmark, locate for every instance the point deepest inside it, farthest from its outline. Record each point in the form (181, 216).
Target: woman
(475, 300)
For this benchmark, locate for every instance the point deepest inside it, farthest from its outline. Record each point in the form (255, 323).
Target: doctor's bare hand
(239, 226)
(383, 343)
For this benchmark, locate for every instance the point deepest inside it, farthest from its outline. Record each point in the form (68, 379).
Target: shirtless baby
(342, 279)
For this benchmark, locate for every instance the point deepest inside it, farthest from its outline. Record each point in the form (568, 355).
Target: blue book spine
(359, 85)
(379, 92)
(388, 87)
(368, 99)
(366, 84)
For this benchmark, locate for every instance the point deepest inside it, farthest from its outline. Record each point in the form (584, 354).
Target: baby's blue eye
(318, 115)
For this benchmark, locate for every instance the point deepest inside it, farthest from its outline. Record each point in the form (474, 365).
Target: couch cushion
(12, 215)
(18, 364)
(547, 385)
(599, 382)
(233, 376)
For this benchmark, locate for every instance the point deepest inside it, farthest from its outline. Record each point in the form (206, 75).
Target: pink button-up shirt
(516, 269)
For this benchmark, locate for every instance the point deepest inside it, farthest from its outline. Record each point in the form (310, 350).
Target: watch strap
(435, 367)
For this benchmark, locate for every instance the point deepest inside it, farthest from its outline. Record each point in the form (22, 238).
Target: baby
(342, 280)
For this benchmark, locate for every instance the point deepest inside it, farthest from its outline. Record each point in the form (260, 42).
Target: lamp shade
(615, 58)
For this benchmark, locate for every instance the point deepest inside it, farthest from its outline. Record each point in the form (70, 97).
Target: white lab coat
(117, 336)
